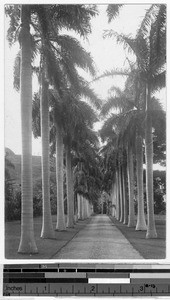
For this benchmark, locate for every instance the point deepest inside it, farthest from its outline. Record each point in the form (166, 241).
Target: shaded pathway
(100, 239)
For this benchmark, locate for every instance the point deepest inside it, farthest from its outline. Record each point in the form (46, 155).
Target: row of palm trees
(37, 28)
(71, 140)
(131, 116)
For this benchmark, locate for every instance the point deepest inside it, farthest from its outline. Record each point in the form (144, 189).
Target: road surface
(100, 239)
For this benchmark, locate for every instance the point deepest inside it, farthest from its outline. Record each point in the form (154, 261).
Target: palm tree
(77, 19)
(27, 242)
(141, 223)
(119, 122)
(47, 227)
(86, 171)
(149, 47)
(76, 108)
(59, 174)
(130, 169)
(65, 56)
(112, 163)
(72, 130)
(70, 191)
(125, 198)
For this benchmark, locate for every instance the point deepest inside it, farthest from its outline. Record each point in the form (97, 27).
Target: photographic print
(85, 131)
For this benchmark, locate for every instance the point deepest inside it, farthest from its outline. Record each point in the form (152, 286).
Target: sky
(105, 52)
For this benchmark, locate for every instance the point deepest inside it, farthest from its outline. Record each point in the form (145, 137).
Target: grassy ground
(47, 247)
(148, 248)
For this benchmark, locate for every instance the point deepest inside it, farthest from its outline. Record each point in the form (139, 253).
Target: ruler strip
(65, 275)
(109, 280)
(44, 280)
(150, 275)
(78, 279)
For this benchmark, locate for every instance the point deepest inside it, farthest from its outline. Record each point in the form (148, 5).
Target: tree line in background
(65, 109)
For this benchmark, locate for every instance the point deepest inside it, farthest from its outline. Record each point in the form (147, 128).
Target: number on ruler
(141, 289)
(92, 289)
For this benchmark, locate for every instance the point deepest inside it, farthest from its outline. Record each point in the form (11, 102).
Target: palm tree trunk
(151, 230)
(88, 208)
(70, 196)
(113, 200)
(82, 199)
(47, 227)
(85, 206)
(131, 221)
(117, 196)
(78, 205)
(141, 223)
(125, 198)
(121, 195)
(92, 209)
(59, 176)
(81, 207)
(27, 241)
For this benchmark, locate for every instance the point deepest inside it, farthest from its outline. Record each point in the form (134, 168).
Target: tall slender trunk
(83, 212)
(78, 205)
(27, 241)
(88, 208)
(125, 197)
(85, 208)
(151, 230)
(70, 194)
(47, 227)
(131, 221)
(92, 209)
(59, 176)
(81, 207)
(117, 196)
(141, 223)
(121, 195)
(113, 200)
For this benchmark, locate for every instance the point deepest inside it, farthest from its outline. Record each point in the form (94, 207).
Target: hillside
(15, 173)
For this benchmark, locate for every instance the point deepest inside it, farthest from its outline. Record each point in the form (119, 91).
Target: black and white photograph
(85, 131)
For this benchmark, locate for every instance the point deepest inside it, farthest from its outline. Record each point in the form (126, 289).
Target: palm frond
(117, 103)
(113, 11)
(160, 29)
(70, 73)
(158, 121)
(156, 105)
(158, 81)
(146, 21)
(71, 49)
(54, 69)
(157, 45)
(13, 12)
(151, 38)
(73, 17)
(126, 40)
(87, 113)
(112, 73)
(90, 95)
(109, 126)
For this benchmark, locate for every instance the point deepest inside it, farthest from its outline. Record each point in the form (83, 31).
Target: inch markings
(22, 280)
